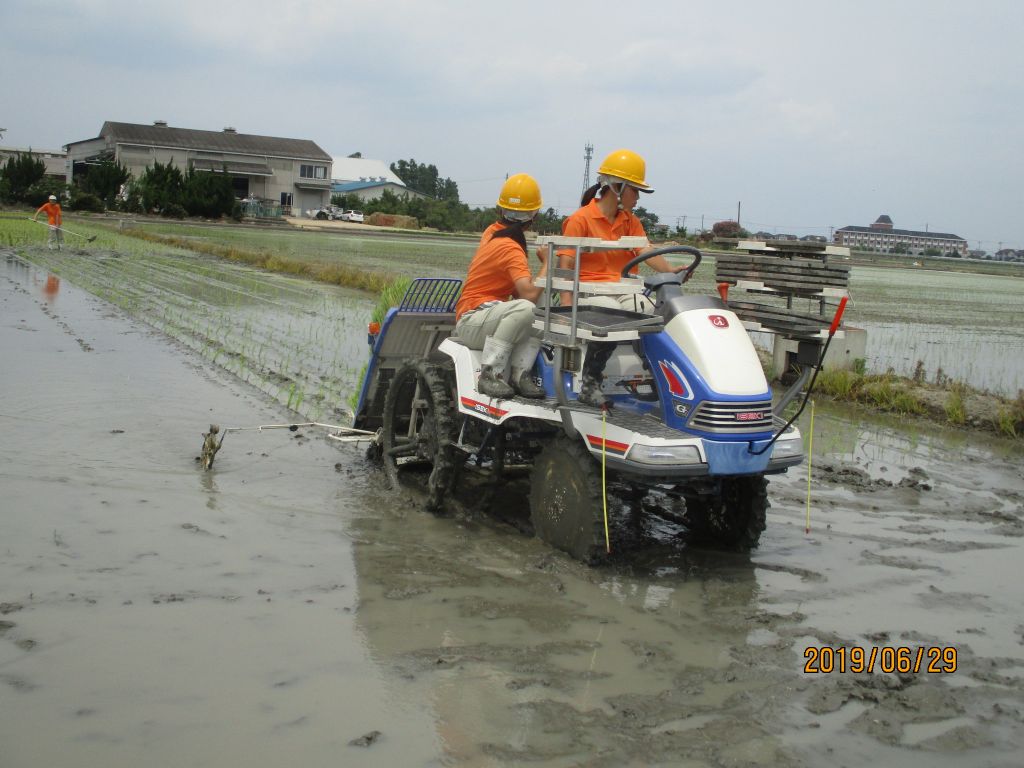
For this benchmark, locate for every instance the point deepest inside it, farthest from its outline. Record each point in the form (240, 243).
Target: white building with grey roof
(295, 173)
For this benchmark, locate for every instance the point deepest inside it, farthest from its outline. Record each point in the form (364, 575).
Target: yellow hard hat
(520, 193)
(626, 165)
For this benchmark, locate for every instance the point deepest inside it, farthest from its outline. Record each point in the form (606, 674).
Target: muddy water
(959, 325)
(286, 603)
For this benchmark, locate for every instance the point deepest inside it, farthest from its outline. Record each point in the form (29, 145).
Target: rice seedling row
(299, 353)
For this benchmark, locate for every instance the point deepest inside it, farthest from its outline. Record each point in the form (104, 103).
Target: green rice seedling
(390, 296)
(956, 410)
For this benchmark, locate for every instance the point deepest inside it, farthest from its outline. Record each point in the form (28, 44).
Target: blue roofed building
(367, 179)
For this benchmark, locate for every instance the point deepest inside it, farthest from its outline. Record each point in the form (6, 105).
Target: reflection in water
(51, 287)
(209, 485)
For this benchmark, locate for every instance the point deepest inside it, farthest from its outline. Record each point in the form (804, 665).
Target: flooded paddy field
(288, 607)
(960, 326)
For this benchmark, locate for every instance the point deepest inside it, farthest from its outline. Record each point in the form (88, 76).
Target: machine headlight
(787, 448)
(664, 454)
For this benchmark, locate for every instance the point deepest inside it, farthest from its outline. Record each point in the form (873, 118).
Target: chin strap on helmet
(617, 187)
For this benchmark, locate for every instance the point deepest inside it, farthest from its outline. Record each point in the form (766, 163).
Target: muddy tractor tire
(732, 515)
(419, 429)
(565, 500)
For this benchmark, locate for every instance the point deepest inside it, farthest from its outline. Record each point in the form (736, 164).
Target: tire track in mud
(297, 341)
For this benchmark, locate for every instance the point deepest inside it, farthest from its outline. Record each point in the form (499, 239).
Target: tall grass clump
(956, 410)
(1010, 419)
(839, 384)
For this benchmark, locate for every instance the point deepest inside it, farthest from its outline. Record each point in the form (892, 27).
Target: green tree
(38, 193)
(206, 193)
(348, 202)
(728, 229)
(548, 222)
(104, 180)
(21, 172)
(425, 179)
(647, 218)
(161, 185)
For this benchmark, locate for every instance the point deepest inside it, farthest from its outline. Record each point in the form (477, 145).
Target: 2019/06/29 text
(903, 659)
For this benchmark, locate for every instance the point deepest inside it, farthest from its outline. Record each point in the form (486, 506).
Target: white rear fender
(720, 349)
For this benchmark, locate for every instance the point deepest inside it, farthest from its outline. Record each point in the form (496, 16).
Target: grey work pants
(507, 321)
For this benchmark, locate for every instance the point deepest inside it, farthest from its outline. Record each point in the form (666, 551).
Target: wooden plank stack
(789, 287)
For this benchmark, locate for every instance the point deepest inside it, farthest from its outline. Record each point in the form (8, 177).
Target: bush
(104, 180)
(205, 193)
(160, 186)
(728, 229)
(39, 192)
(174, 211)
(86, 201)
(956, 411)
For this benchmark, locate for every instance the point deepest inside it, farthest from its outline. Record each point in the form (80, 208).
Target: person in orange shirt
(606, 212)
(495, 311)
(53, 214)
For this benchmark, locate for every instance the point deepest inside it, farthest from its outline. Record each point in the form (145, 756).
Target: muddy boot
(493, 360)
(593, 374)
(527, 387)
(522, 360)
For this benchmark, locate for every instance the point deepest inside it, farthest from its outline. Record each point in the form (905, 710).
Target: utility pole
(588, 152)
(702, 222)
(739, 207)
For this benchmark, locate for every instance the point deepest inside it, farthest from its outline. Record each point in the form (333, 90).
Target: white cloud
(811, 113)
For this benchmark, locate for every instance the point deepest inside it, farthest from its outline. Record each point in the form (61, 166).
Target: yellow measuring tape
(810, 455)
(604, 485)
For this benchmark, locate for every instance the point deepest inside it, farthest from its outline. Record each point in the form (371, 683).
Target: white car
(352, 216)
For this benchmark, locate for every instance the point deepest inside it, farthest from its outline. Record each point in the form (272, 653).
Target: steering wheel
(683, 273)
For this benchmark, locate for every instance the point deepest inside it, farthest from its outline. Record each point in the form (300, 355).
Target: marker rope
(810, 455)
(604, 484)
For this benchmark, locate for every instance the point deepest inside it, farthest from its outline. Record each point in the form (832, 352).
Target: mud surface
(286, 608)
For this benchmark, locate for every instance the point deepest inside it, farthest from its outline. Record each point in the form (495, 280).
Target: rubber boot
(593, 374)
(493, 360)
(522, 360)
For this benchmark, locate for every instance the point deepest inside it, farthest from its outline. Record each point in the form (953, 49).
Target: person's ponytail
(589, 194)
(513, 230)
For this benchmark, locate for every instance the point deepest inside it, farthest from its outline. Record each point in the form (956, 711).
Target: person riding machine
(496, 309)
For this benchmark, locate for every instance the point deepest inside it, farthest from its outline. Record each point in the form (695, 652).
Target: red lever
(838, 317)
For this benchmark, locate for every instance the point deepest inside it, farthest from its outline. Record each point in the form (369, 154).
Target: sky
(800, 116)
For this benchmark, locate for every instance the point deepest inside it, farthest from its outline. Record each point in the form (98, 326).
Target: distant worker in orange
(53, 214)
(495, 312)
